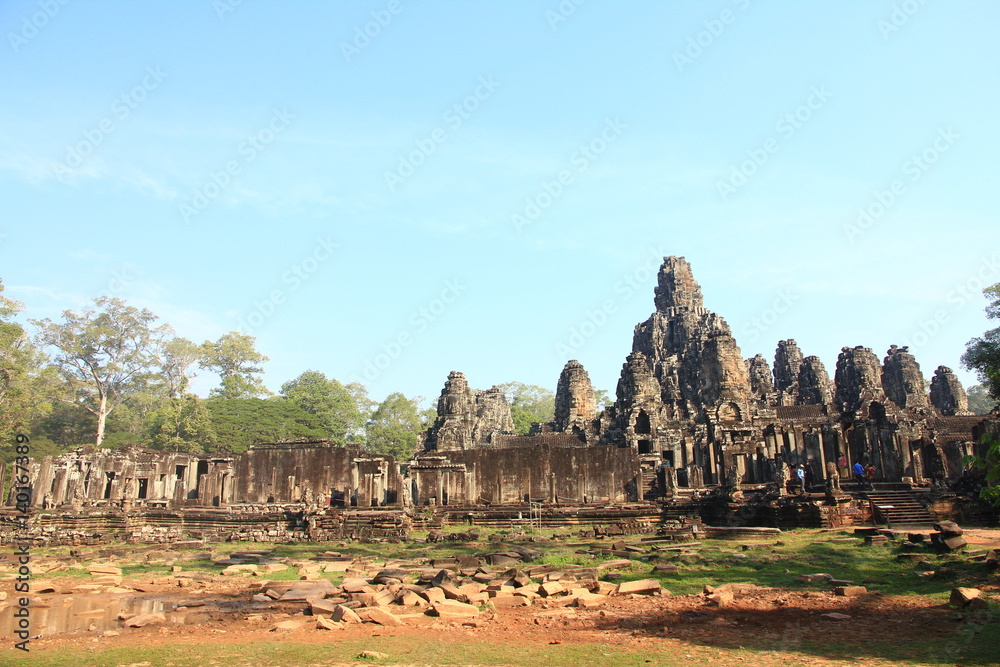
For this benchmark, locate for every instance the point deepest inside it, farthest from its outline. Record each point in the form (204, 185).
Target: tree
(333, 404)
(241, 422)
(529, 404)
(236, 361)
(394, 426)
(176, 357)
(980, 402)
(983, 354)
(25, 383)
(182, 425)
(602, 400)
(105, 354)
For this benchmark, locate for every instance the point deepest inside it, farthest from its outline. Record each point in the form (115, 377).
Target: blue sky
(388, 191)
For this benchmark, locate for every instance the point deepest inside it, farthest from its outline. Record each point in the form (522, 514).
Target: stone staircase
(906, 508)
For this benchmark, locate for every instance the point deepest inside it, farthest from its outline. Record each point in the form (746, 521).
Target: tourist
(859, 475)
(801, 472)
(870, 475)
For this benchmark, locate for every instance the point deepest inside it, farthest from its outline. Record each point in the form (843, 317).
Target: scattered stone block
(322, 623)
(142, 620)
(643, 586)
(814, 578)
(960, 597)
(344, 614)
(949, 528)
(835, 616)
(286, 626)
(954, 543)
(850, 591)
(382, 617)
(509, 600)
(454, 609)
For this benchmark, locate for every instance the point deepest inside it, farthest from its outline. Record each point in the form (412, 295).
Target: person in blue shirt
(859, 475)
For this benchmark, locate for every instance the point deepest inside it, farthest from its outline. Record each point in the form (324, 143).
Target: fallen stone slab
(814, 578)
(510, 600)
(322, 623)
(613, 564)
(286, 626)
(382, 617)
(948, 527)
(588, 600)
(142, 620)
(954, 543)
(454, 609)
(835, 616)
(960, 597)
(643, 587)
(850, 591)
(319, 606)
(344, 614)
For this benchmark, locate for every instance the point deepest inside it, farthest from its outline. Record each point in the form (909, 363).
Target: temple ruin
(694, 425)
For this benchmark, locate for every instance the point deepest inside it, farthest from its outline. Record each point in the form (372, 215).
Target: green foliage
(240, 422)
(104, 355)
(236, 361)
(26, 386)
(602, 400)
(182, 425)
(529, 404)
(980, 402)
(335, 406)
(983, 354)
(175, 358)
(394, 426)
(990, 464)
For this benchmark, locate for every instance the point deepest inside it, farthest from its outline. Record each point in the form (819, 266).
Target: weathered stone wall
(543, 473)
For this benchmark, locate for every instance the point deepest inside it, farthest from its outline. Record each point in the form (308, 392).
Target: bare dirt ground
(784, 622)
(779, 626)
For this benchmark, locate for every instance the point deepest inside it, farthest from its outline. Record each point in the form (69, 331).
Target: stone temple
(695, 427)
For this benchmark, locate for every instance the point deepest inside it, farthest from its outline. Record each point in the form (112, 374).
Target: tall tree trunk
(102, 417)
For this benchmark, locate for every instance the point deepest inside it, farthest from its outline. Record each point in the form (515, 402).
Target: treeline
(112, 375)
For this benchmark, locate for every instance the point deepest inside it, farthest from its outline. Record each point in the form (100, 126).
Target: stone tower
(575, 402)
(858, 378)
(947, 393)
(902, 380)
